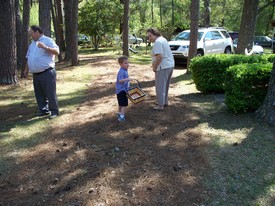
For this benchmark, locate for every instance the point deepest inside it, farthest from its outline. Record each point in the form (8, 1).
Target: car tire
(227, 50)
(199, 53)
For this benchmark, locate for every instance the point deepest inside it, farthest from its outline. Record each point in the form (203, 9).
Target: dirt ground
(89, 158)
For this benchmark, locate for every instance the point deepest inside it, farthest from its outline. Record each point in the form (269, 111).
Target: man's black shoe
(41, 114)
(53, 116)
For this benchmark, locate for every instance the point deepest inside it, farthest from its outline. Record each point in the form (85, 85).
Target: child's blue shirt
(122, 74)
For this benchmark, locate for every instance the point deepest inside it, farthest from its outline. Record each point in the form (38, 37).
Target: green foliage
(99, 18)
(209, 72)
(34, 20)
(246, 86)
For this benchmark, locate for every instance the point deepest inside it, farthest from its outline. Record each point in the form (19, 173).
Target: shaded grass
(18, 136)
(240, 152)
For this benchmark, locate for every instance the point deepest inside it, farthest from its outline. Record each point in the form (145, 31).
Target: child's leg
(123, 111)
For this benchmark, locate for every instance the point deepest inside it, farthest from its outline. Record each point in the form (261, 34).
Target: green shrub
(208, 72)
(246, 86)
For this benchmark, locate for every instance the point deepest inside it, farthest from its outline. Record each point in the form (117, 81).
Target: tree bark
(58, 24)
(248, 24)
(266, 111)
(68, 30)
(74, 26)
(45, 16)
(194, 10)
(125, 36)
(206, 19)
(18, 36)
(8, 57)
(56, 29)
(25, 34)
(71, 17)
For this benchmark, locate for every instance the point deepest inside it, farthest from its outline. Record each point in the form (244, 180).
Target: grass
(17, 136)
(240, 149)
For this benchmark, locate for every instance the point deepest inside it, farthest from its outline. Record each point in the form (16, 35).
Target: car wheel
(227, 50)
(199, 53)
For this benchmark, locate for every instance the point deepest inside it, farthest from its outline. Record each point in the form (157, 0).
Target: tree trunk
(160, 12)
(152, 11)
(248, 24)
(173, 13)
(206, 20)
(194, 13)
(74, 26)
(68, 29)
(58, 26)
(56, 30)
(45, 16)
(126, 28)
(266, 111)
(18, 36)
(8, 57)
(25, 34)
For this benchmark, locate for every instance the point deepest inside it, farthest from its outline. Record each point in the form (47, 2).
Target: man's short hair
(37, 28)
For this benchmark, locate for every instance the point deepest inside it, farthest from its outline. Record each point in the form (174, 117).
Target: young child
(122, 83)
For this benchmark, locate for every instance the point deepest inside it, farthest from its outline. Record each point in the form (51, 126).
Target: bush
(208, 72)
(246, 86)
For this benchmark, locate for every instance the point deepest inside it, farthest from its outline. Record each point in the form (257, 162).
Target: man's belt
(48, 69)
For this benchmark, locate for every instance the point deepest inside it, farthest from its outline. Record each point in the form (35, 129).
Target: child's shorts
(122, 99)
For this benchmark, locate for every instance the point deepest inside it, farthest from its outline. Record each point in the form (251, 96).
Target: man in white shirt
(41, 63)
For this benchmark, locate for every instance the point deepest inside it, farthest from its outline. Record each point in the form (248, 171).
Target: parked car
(263, 41)
(82, 39)
(135, 40)
(132, 39)
(233, 34)
(256, 49)
(210, 41)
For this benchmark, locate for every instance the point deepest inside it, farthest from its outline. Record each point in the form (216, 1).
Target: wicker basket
(135, 94)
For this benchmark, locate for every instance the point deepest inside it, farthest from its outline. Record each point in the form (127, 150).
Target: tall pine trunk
(266, 111)
(25, 34)
(74, 26)
(248, 24)
(8, 57)
(45, 16)
(126, 28)
(194, 13)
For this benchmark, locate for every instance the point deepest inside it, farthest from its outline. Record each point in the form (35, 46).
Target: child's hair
(122, 59)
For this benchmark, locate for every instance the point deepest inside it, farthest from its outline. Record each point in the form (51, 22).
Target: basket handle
(133, 80)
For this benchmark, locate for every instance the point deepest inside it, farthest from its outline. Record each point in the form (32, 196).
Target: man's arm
(53, 51)
(26, 71)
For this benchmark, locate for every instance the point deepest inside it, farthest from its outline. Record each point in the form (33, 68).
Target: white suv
(210, 41)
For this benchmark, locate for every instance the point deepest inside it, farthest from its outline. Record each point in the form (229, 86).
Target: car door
(208, 43)
(218, 42)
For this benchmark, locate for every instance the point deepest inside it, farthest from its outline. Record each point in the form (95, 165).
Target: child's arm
(125, 80)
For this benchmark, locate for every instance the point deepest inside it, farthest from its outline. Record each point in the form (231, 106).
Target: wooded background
(103, 20)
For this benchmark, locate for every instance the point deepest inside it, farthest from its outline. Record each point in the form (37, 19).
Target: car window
(208, 35)
(226, 35)
(183, 36)
(186, 36)
(216, 35)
